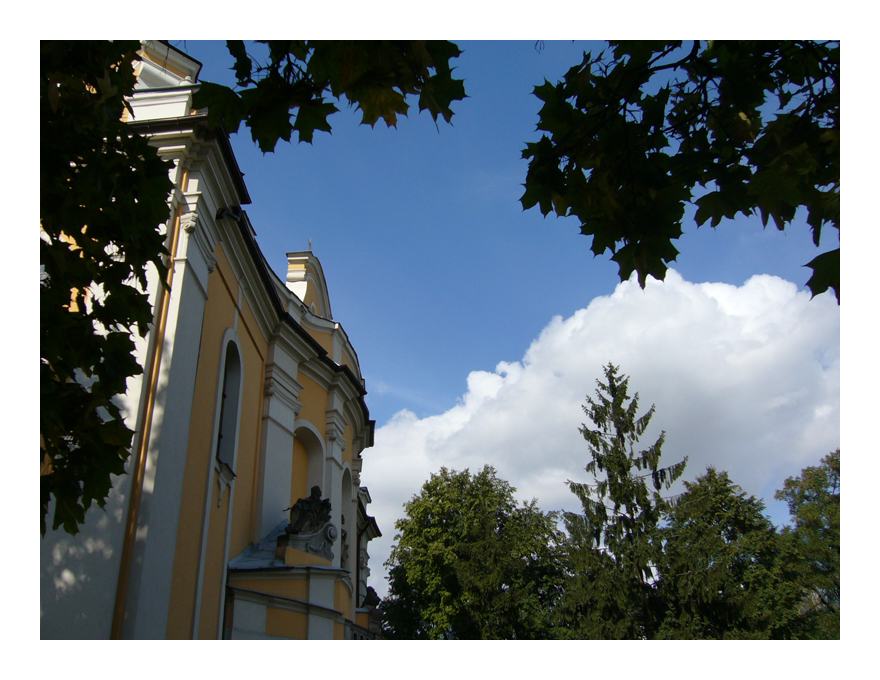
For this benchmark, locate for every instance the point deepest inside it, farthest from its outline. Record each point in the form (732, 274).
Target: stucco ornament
(309, 528)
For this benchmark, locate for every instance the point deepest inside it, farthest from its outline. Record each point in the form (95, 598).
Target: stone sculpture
(309, 528)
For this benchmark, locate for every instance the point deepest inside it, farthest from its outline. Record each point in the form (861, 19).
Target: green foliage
(300, 76)
(732, 126)
(103, 193)
(706, 565)
(814, 503)
(616, 543)
(725, 573)
(469, 563)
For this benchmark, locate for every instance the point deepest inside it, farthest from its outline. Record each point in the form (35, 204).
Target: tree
(469, 563)
(299, 75)
(725, 573)
(733, 126)
(814, 503)
(617, 542)
(103, 196)
(103, 193)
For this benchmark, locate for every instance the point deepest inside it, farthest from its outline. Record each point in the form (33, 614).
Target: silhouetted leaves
(103, 195)
(640, 130)
(826, 273)
(299, 76)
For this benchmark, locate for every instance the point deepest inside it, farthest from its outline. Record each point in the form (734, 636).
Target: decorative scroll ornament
(189, 222)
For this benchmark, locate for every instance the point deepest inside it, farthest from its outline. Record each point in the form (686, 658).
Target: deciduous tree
(725, 573)
(295, 87)
(814, 503)
(641, 130)
(470, 563)
(103, 193)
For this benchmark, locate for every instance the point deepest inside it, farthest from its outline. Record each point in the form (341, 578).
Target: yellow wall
(324, 339)
(312, 298)
(254, 348)
(314, 402)
(299, 477)
(309, 296)
(161, 62)
(220, 314)
(293, 588)
(297, 558)
(342, 600)
(346, 361)
(286, 623)
(212, 580)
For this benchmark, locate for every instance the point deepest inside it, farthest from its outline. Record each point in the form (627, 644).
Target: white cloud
(744, 378)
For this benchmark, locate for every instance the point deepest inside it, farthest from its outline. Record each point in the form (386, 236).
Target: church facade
(241, 515)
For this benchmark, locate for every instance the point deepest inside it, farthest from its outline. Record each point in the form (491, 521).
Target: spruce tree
(616, 542)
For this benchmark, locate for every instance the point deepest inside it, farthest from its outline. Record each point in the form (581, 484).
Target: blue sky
(471, 317)
(434, 268)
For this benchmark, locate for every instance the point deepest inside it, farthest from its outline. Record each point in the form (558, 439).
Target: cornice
(166, 57)
(196, 125)
(281, 386)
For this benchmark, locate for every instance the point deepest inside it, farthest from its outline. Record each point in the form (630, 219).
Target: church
(241, 515)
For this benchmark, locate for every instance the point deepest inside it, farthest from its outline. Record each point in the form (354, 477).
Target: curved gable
(305, 278)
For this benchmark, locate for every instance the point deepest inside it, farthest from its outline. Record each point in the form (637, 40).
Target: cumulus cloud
(746, 379)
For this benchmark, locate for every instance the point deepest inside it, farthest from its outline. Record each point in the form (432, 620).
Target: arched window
(229, 406)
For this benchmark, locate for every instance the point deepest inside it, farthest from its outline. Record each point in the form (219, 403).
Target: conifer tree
(616, 543)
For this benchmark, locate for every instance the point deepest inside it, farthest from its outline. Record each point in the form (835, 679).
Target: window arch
(230, 406)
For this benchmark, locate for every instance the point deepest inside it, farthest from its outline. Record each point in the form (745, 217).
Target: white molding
(281, 414)
(161, 58)
(200, 259)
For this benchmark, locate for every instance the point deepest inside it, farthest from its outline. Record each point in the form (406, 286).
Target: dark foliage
(645, 128)
(103, 193)
(295, 88)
